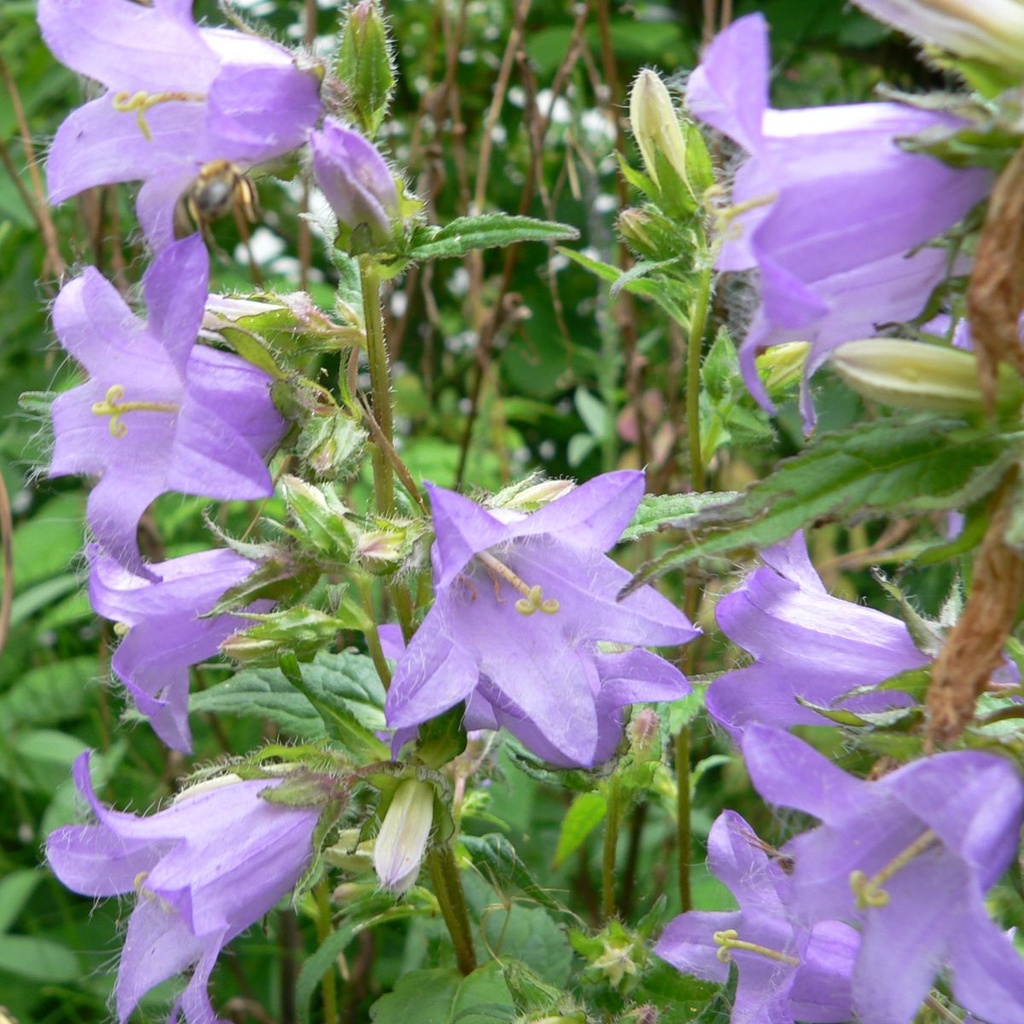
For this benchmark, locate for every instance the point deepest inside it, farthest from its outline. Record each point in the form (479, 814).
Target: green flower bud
(915, 375)
(365, 67)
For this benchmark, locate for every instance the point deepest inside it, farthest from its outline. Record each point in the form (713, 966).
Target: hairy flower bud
(656, 127)
(987, 30)
(364, 65)
(912, 375)
(357, 183)
(402, 840)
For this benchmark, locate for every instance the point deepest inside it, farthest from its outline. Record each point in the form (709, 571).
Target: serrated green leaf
(497, 859)
(585, 813)
(489, 231)
(443, 996)
(347, 681)
(658, 510)
(887, 467)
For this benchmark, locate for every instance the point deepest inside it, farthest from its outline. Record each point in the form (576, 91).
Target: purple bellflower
(909, 858)
(158, 413)
(165, 634)
(356, 180)
(826, 207)
(806, 644)
(204, 869)
(177, 98)
(786, 970)
(523, 602)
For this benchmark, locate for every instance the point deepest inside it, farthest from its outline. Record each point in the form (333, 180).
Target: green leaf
(489, 231)
(356, 675)
(889, 467)
(529, 934)
(658, 510)
(38, 959)
(345, 681)
(496, 858)
(49, 694)
(40, 760)
(586, 812)
(15, 891)
(443, 996)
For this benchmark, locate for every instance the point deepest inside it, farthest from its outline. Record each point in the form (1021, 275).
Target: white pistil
(113, 407)
(869, 891)
(729, 940)
(533, 599)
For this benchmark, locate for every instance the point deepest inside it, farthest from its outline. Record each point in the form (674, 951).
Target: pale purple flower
(188, 96)
(786, 970)
(356, 181)
(909, 859)
(204, 869)
(835, 206)
(158, 413)
(166, 633)
(522, 603)
(806, 644)
(401, 843)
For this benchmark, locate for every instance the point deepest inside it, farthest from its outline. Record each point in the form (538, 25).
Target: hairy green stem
(682, 760)
(444, 873)
(694, 345)
(321, 894)
(611, 843)
(380, 384)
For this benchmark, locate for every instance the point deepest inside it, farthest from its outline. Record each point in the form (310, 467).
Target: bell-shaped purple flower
(909, 859)
(204, 869)
(522, 604)
(827, 206)
(177, 98)
(158, 413)
(165, 631)
(806, 644)
(356, 181)
(787, 971)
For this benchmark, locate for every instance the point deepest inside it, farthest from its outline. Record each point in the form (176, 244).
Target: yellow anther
(113, 407)
(533, 599)
(869, 891)
(729, 940)
(139, 102)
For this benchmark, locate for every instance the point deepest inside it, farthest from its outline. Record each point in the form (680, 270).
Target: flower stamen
(533, 599)
(729, 940)
(139, 102)
(725, 218)
(113, 407)
(869, 891)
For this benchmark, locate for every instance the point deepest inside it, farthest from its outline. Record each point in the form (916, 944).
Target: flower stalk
(444, 873)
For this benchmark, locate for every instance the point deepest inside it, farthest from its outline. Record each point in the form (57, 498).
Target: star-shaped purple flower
(827, 206)
(177, 98)
(205, 868)
(786, 970)
(522, 604)
(159, 413)
(909, 858)
(165, 631)
(806, 644)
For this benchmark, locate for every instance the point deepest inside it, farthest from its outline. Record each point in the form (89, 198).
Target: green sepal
(322, 517)
(442, 739)
(300, 630)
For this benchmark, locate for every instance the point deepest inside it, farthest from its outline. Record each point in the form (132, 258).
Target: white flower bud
(402, 840)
